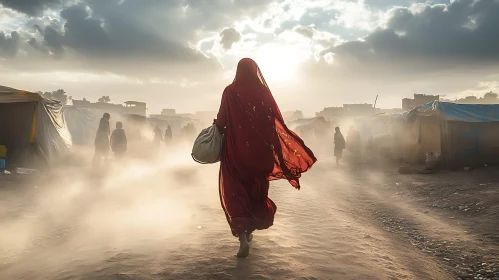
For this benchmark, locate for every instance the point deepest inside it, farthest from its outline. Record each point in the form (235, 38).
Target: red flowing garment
(257, 148)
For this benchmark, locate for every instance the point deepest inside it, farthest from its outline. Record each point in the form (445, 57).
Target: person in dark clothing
(158, 136)
(339, 145)
(119, 141)
(102, 140)
(168, 135)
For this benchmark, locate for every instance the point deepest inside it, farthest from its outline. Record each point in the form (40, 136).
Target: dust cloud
(80, 213)
(156, 215)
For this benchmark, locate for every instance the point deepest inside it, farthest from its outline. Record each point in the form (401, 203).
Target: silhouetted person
(158, 136)
(102, 140)
(339, 145)
(168, 135)
(119, 141)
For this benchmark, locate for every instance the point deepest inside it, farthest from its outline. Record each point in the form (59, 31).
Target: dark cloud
(461, 34)
(180, 20)
(116, 32)
(229, 37)
(111, 43)
(54, 41)
(9, 45)
(30, 7)
(34, 44)
(158, 32)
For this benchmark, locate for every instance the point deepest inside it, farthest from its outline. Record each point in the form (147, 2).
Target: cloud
(307, 31)
(30, 7)
(117, 35)
(413, 45)
(9, 45)
(82, 37)
(229, 36)
(323, 38)
(427, 37)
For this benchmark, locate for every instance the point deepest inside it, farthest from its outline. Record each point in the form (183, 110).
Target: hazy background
(182, 53)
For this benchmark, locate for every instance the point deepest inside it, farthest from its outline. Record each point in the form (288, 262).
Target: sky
(313, 53)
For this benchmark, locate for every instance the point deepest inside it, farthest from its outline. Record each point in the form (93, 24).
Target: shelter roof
(11, 95)
(455, 112)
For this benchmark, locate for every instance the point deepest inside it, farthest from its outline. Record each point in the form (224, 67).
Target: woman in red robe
(257, 148)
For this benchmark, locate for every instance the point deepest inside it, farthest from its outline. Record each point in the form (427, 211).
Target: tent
(464, 134)
(31, 125)
(317, 126)
(82, 124)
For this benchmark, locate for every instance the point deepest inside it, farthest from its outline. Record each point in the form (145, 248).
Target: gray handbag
(207, 147)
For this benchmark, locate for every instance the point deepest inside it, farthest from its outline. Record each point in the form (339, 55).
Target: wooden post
(375, 101)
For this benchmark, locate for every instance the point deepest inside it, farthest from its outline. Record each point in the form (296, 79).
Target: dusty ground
(164, 221)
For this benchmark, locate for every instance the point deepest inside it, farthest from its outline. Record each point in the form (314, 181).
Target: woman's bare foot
(249, 237)
(244, 246)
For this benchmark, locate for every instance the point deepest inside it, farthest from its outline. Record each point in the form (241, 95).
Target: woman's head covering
(106, 116)
(249, 72)
(253, 107)
(119, 125)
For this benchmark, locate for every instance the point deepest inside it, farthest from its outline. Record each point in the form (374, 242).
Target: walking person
(102, 140)
(158, 136)
(119, 141)
(339, 145)
(258, 147)
(168, 135)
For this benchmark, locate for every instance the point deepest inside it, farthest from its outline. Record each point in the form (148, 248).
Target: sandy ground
(164, 221)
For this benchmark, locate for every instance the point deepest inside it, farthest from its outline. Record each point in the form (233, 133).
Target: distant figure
(339, 145)
(119, 141)
(168, 135)
(257, 147)
(158, 136)
(102, 140)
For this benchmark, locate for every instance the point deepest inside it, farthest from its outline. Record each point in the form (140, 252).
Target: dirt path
(168, 225)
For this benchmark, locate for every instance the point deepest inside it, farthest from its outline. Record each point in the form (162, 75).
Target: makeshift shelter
(318, 127)
(32, 127)
(82, 124)
(464, 134)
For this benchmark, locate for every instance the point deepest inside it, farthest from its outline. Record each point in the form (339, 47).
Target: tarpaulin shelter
(82, 124)
(464, 134)
(31, 125)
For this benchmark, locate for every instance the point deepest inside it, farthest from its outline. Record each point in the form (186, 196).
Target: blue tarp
(455, 112)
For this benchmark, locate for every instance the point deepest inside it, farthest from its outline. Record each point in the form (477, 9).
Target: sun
(278, 62)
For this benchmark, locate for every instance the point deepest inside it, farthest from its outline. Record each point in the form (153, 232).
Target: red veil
(258, 147)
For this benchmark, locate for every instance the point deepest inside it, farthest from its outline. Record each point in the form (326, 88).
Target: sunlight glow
(279, 62)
